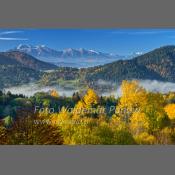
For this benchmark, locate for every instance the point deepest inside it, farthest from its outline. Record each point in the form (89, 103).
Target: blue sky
(117, 41)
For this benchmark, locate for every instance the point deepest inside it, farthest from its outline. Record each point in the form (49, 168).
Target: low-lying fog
(31, 89)
(149, 85)
(79, 62)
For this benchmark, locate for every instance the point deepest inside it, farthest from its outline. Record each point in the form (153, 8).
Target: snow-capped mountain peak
(68, 50)
(93, 51)
(40, 46)
(138, 53)
(44, 51)
(23, 46)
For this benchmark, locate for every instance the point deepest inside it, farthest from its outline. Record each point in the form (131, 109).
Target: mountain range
(44, 51)
(71, 57)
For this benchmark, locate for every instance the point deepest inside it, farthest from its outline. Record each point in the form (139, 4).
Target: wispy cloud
(151, 32)
(4, 36)
(13, 39)
(11, 32)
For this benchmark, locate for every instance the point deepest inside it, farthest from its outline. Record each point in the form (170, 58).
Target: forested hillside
(13, 75)
(158, 64)
(23, 59)
(19, 68)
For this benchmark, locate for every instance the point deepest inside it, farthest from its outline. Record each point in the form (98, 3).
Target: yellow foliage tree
(117, 123)
(170, 97)
(145, 139)
(91, 98)
(66, 123)
(154, 111)
(165, 136)
(170, 110)
(139, 123)
(84, 132)
(30, 131)
(3, 136)
(132, 100)
(54, 93)
(156, 101)
(79, 109)
(60, 118)
(87, 105)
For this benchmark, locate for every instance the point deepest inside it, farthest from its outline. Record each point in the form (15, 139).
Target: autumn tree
(84, 132)
(165, 136)
(139, 123)
(123, 137)
(121, 132)
(111, 136)
(3, 135)
(170, 97)
(87, 105)
(30, 131)
(136, 100)
(145, 138)
(54, 93)
(66, 123)
(8, 121)
(91, 98)
(170, 110)
(117, 123)
(132, 100)
(155, 113)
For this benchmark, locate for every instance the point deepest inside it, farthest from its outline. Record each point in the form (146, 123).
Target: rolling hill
(25, 60)
(18, 68)
(11, 75)
(158, 64)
